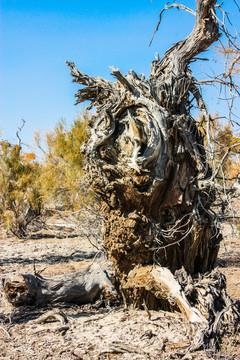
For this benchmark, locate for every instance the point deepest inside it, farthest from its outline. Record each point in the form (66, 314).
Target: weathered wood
(159, 285)
(83, 286)
(56, 314)
(202, 300)
(204, 33)
(146, 159)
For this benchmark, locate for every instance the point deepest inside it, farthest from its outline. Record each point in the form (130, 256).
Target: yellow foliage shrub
(20, 199)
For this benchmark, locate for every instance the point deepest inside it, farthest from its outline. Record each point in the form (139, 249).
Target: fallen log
(83, 286)
(202, 300)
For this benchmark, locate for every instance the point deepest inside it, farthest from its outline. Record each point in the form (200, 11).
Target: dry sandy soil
(97, 331)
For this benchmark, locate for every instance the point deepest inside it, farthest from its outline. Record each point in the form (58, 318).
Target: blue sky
(37, 36)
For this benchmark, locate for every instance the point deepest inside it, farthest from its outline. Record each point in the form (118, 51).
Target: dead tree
(147, 161)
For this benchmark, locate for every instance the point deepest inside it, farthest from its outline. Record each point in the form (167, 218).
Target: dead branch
(223, 160)
(56, 314)
(168, 7)
(5, 331)
(18, 131)
(231, 67)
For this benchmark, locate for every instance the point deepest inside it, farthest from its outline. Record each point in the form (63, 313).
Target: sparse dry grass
(230, 346)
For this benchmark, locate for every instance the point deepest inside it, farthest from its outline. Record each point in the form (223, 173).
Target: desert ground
(101, 330)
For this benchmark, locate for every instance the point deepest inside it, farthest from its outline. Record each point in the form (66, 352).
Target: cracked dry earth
(97, 331)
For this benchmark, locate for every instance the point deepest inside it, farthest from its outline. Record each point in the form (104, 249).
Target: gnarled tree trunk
(146, 160)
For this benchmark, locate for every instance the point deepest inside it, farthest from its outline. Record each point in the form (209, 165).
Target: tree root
(53, 314)
(202, 300)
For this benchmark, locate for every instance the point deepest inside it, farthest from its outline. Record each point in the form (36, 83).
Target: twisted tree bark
(146, 159)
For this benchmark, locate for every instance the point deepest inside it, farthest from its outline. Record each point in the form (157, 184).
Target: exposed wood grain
(83, 286)
(146, 159)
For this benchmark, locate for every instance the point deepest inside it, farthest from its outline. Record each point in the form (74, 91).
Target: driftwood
(83, 286)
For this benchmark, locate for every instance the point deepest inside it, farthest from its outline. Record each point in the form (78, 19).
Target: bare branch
(223, 159)
(204, 33)
(168, 7)
(237, 5)
(231, 67)
(19, 130)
